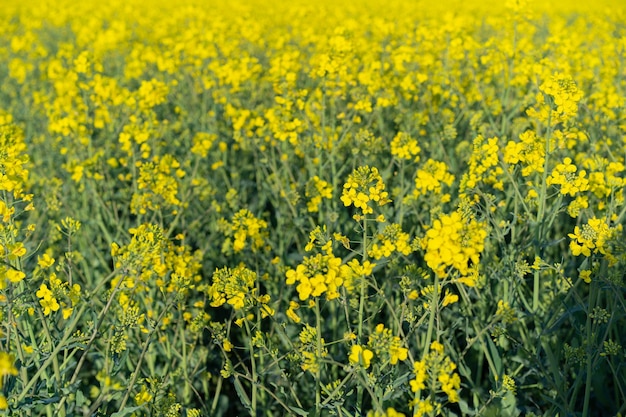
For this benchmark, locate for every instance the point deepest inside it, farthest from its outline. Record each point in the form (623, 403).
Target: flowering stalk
(540, 212)
(69, 329)
(362, 304)
(318, 371)
(135, 373)
(434, 304)
(363, 281)
(253, 365)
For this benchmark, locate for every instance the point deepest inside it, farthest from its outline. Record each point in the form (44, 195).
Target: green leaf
(125, 411)
(465, 410)
(298, 411)
(243, 397)
(495, 356)
(80, 398)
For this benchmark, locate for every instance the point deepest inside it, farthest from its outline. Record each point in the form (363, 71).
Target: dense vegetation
(312, 208)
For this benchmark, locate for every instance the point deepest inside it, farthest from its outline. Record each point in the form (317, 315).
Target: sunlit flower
(360, 356)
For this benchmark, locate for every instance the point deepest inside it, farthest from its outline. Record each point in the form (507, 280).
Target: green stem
(363, 283)
(434, 302)
(186, 390)
(11, 323)
(536, 291)
(400, 201)
(331, 395)
(216, 396)
(254, 376)
(61, 345)
(589, 336)
(55, 359)
(135, 373)
(539, 222)
(360, 391)
(318, 376)
(94, 334)
(268, 391)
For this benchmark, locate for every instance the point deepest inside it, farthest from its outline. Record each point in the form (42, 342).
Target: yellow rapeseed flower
(360, 356)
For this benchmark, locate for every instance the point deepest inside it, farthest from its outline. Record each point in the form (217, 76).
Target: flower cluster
(403, 146)
(13, 199)
(58, 290)
(387, 346)
(202, 143)
(243, 228)
(142, 257)
(13, 158)
(431, 177)
(316, 190)
(391, 239)
(568, 138)
(382, 345)
(364, 187)
(576, 205)
(135, 138)
(453, 241)
(151, 93)
(529, 151)
(564, 174)
(605, 177)
(156, 185)
(436, 374)
(593, 237)
(505, 312)
(483, 165)
(151, 268)
(360, 356)
(354, 271)
(7, 368)
(564, 96)
(238, 288)
(183, 265)
(311, 350)
(317, 274)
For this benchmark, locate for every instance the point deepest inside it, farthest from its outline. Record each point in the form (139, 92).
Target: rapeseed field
(334, 208)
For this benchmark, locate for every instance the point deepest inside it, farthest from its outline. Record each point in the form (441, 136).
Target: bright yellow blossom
(360, 356)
